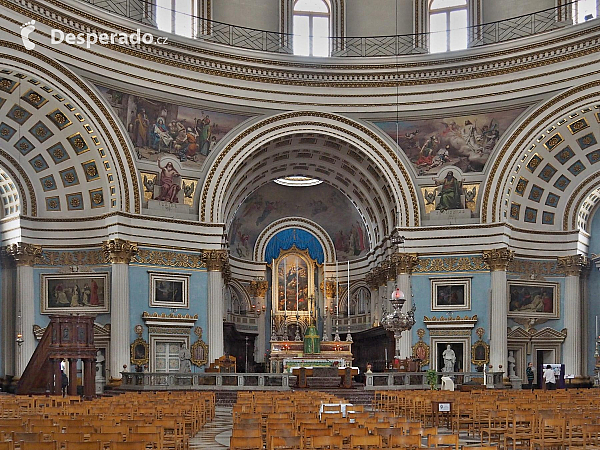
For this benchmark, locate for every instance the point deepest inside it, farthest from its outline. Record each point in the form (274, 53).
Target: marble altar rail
(156, 381)
(418, 380)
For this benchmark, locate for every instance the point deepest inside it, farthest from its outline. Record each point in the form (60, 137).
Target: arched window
(448, 20)
(311, 27)
(176, 16)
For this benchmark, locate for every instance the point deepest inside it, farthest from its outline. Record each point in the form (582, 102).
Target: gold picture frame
(199, 350)
(140, 352)
(421, 351)
(480, 353)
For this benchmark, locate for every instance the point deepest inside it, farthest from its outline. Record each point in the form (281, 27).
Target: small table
(442, 409)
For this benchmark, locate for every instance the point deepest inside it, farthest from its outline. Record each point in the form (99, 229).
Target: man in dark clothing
(64, 380)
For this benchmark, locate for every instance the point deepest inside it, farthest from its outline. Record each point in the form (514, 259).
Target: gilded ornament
(41, 131)
(78, 143)
(61, 119)
(572, 265)
(69, 177)
(91, 170)
(215, 260)
(97, 198)
(24, 254)
(119, 251)
(38, 163)
(34, 98)
(58, 153)
(48, 183)
(23, 146)
(19, 113)
(498, 258)
(258, 288)
(404, 262)
(5, 132)
(53, 204)
(5, 84)
(75, 202)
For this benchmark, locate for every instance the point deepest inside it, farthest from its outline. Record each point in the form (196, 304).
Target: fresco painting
(293, 284)
(322, 204)
(462, 141)
(158, 128)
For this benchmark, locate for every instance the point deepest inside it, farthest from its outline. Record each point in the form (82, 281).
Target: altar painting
(292, 281)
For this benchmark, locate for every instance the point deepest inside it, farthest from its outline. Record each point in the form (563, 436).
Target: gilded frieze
(168, 259)
(451, 264)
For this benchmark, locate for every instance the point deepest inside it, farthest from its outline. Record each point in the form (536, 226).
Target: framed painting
(450, 294)
(533, 299)
(75, 293)
(480, 353)
(169, 290)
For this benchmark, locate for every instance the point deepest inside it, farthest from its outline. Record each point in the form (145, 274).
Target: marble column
(25, 256)
(119, 252)
(572, 347)
(258, 291)
(216, 264)
(497, 260)
(403, 264)
(9, 334)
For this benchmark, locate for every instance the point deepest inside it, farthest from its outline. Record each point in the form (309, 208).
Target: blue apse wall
(139, 298)
(593, 289)
(480, 288)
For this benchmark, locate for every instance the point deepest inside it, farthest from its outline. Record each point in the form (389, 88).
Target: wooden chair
(405, 442)
(7, 445)
(243, 443)
(128, 446)
(443, 440)
(591, 436)
(386, 433)
(422, 431)
(552, 433)
(285, 443)
(26, 436)
(107, 438)
(364, 442)
(246, 432)
(28, 445)
(520, 428)
(326, 442)
(91, 445)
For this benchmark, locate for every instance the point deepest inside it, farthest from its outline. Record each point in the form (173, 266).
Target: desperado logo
(58, 36)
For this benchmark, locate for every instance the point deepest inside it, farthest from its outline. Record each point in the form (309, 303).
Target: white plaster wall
(498, 10)
(258, 14)
(376, 17)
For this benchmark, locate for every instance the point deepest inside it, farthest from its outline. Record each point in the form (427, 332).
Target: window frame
(311, 15)
(446, 11)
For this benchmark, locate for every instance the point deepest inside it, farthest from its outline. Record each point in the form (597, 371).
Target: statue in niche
(449, 359)
(511, 364)
(185, 357)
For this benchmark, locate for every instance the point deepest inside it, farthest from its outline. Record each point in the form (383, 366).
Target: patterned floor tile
(215, 434)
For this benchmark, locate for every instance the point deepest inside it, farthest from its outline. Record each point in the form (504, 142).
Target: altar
(287, 355)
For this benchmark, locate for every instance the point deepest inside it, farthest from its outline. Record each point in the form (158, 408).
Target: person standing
(549, 378)
(64, 382)
(530, 375)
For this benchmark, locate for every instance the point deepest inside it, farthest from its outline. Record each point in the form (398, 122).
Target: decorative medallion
(90, 170)
(552, 200)
(8, 85)
(97, 198)
(536, 193)
(59, 119)
(34, 99)
(38, 163)
(593, 157)
(564, 155)
(18, 114)
(75, 201)
(578, 125)
(78, 143)
(548, 218)
(52, 204)
(547, 172)
(577, 168)
(562, 183)
(553, 142)
(521, 186)
(24, 145)
(6, 131)
(69, 177)
(515, 209)
(587, 141)
(530, 215)
(41, 132)
(58, 153)
(534, 162)
(48, 183)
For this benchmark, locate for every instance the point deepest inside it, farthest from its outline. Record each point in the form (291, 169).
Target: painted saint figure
(169, 183)
(450, 193)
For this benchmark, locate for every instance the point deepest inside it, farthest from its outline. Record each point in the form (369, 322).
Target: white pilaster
(258, 290)
(8, 315)
(25, 256)
(215, 263)
(119, 252)
(498, 260)
(572, 347)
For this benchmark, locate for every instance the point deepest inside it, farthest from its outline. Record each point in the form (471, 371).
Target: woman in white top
(549, 378)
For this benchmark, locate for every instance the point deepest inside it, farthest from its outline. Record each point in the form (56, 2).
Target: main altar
(299, 309)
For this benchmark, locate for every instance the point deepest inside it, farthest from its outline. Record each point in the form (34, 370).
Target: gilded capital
(498, 258)
(330, 289)
(572, 265)
(24, 254)
(371, 280)
(258, 288)
(215, 260)
(119, 251)
(404, 262)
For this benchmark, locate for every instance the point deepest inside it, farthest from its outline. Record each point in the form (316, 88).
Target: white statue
(511, 364)
(185, 357)
(449, 359)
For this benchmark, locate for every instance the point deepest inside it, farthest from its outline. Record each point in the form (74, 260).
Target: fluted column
(404, 264)
(572, 347)
(498, 260)
(119, 252)
(9, 334)
(258, 291)
(216, 262)
(25, 256)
